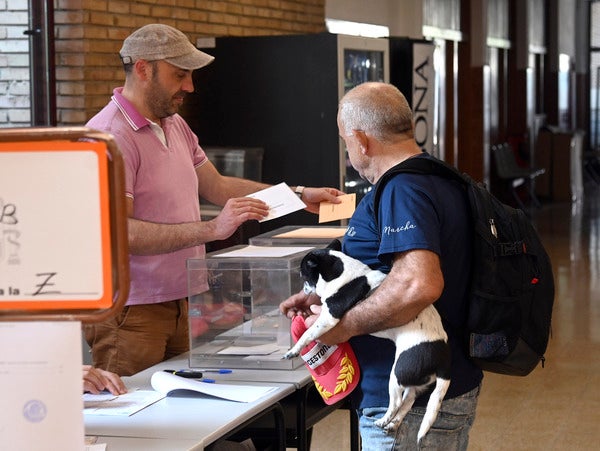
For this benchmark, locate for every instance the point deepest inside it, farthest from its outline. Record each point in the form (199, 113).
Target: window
(27, 80)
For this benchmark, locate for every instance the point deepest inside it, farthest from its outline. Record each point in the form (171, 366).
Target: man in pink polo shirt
(165, 172)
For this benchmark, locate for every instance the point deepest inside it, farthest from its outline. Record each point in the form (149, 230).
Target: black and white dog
(422, 351)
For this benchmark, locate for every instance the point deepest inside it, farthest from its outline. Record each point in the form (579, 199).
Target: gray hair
(379, 109)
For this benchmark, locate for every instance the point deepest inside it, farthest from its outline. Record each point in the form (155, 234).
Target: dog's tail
(433, 406)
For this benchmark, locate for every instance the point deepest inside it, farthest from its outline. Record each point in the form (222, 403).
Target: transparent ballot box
(234, 297)
(319, 236)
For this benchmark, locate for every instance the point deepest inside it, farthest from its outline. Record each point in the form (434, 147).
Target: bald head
(378, 109)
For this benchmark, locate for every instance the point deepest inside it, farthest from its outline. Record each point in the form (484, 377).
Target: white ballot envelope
(280, 199)
(41, 380)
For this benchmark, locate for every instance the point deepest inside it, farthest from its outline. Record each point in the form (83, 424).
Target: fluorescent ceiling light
(356, 28)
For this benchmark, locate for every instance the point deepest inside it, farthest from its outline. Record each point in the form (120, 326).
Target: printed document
(40, 372)
(164, 384)
(167, 383)
(126, 404)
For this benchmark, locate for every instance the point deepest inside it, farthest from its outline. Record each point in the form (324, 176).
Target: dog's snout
(308, 289)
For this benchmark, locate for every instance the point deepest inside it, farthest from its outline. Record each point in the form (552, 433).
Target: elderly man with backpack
(422, 241)
(443, 240)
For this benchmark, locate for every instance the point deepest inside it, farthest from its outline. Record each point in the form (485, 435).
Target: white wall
(403, 18)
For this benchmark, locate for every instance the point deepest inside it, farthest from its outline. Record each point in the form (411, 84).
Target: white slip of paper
(126, 404)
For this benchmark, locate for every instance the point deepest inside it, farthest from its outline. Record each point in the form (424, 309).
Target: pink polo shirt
(163, 184)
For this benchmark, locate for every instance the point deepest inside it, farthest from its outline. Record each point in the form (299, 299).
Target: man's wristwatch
(299, 190)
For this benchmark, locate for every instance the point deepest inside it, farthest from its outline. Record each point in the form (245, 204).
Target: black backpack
(512, 284)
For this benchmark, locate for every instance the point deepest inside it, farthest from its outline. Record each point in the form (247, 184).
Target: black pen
(190, 374)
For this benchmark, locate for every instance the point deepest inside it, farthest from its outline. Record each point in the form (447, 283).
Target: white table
(303, 409)
(148, 444)
(183, 423)
(193, 423)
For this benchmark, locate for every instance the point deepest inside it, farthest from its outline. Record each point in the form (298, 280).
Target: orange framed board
(57, 238)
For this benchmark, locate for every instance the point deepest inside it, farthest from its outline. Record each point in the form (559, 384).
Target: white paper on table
(40, 373)
(90, 398)
(122, 405)
(167, 383)
(265, 251)
(280, 199)
(314, 232)
(264, 349)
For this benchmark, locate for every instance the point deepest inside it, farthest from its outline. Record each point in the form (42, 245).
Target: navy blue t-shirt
(415, 212)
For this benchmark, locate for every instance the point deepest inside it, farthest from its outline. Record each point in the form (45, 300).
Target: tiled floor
(556, 407)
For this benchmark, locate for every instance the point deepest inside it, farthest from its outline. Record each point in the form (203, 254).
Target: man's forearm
(234, 187)
(149, 238)
(414, 282)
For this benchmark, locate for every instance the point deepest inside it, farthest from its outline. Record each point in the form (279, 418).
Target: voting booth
(234, 297)
(63, 261)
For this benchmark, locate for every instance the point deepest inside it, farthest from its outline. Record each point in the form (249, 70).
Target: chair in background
(508, 169)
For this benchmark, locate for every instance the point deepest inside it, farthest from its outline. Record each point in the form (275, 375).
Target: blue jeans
(450, 432)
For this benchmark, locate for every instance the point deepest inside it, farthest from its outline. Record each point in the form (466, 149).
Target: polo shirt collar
(133, 117)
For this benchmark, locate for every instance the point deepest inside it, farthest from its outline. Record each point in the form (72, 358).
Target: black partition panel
(279, 93)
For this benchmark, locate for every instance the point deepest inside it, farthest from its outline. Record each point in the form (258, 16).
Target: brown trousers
(139, 336)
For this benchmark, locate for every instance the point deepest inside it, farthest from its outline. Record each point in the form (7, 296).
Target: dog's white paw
(391, 427)
(386, 425)
(381, 423)
(290, 355)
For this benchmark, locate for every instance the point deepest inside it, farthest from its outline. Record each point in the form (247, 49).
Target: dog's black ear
(311, 262)
(309, 267)
(335, 245)
(321, 262)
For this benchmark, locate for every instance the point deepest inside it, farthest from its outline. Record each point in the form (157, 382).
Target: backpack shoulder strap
(417, 165)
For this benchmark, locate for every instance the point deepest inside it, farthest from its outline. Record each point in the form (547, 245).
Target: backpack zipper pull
(493, 228)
